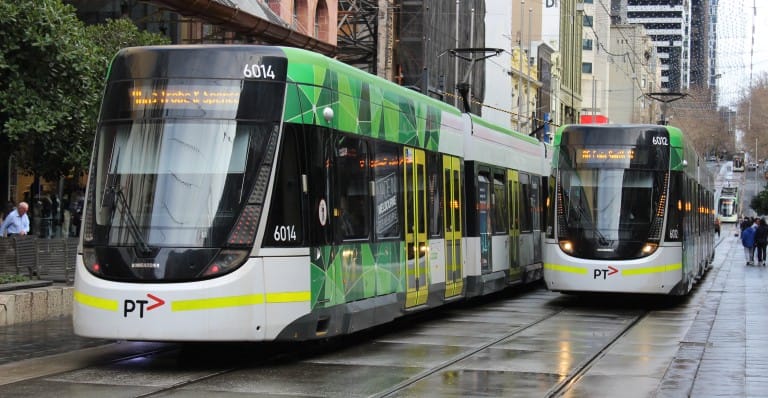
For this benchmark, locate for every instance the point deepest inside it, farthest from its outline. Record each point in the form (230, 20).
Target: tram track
(458, 358)
(561, 387)
(559, 341)
(582, 368)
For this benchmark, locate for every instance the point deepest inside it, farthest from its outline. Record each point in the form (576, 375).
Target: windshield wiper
(582, 212)
(133, 226)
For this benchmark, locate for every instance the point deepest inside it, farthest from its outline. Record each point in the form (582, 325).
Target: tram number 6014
(284, 233)
(258, 71)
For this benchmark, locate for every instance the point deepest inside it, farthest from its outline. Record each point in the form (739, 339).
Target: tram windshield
(176, 160)
(609, 212)
(166, 183)
(727, 207)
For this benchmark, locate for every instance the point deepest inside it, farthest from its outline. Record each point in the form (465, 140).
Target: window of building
(587, 20)
(586, 44)
(586, 67)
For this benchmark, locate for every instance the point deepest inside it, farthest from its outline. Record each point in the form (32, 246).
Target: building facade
(595, 68)
(634, 72)
(668, 24)
(571, 17)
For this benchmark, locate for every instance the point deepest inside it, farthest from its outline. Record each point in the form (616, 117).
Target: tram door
(454, 283)
(513, 192)
(415, 227)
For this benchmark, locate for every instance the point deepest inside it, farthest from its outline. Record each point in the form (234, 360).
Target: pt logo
(129, 306)
(605, 273)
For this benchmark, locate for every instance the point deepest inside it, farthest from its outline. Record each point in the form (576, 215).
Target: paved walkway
(735, 314)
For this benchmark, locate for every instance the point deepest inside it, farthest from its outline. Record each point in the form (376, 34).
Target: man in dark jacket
(748, 241)
(745, 223)
(761, 240)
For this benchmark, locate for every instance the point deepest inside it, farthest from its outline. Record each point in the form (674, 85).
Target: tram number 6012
(660, 141)
(284, 233)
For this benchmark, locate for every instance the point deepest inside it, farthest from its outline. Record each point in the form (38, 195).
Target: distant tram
(631, 211)
(738, 161)
(728, 205)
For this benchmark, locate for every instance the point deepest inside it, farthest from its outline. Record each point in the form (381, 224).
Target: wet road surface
(531, 343)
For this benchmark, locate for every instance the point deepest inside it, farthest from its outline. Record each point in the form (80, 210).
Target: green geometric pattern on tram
(317, 277)
(353, 272)
(362, 103)
(388, 270)
(676, 148)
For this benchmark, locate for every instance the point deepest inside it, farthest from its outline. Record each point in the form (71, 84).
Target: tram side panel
(502, 189)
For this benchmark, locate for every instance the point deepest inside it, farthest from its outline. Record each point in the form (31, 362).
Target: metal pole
(425, 70)
(520, 76)
(472, 45)
(456, 59)
(528, 72)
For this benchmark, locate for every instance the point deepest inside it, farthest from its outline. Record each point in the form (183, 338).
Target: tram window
(457, 199)
(535, 208)
(285, 226)
(435, 189)
(499, 203)
(484, 202)
(420, 175)
(525, 202)
(387, 178)
(352, 195)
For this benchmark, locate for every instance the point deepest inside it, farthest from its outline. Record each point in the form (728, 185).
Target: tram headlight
(226, 261)
(649, 248)
(566, 246)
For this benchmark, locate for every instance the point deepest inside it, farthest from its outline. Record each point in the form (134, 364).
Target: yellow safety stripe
(239, 301)
(652, 270)
(206, 303)
(217, 302)
(567, 268)
(625, 272)
(288, 297)
(97, 302)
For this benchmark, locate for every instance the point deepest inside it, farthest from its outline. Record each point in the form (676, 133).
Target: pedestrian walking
(761, 241)
(717, 225)
(748, 241)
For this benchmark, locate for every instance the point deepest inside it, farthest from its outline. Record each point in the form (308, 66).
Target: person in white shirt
(16, 222)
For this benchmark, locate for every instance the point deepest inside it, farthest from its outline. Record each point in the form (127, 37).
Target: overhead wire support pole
(665, 98)
(463, 86)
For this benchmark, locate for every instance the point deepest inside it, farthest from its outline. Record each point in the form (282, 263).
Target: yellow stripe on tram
(96, 302)
(288, 297)
(217, 302)
(652, 270)
(239, 301)
(567, 268)
(206, 303)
